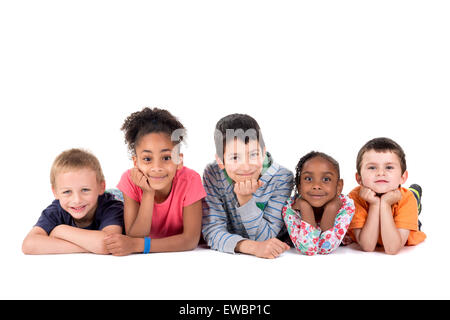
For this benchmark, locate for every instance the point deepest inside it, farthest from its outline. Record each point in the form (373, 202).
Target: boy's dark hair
(241, 126)
(382, 145)
(155, 120)
(312, 155)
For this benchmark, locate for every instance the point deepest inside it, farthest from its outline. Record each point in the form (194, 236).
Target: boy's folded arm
(216, 234)
(39, 242)
(219, 238)
(367, 235)
(260, 224)
(90, 240)
(264, 224)
(393, 238)
(214, 227)
(215, 219)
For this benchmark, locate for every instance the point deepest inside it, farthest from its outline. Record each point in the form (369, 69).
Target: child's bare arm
(367, 237)
(306, 210)
(138, 216)
(121, 245)
(39, 242)
(189, 238)
(393, 238)
(329, 213)
(90, 240)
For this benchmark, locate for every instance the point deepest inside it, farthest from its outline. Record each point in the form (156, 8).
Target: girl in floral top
(318, 216)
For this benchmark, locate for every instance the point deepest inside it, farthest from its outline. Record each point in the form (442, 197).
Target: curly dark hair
(148, 120)
(309, 156)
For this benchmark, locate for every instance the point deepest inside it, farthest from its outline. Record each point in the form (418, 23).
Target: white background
(316, 75)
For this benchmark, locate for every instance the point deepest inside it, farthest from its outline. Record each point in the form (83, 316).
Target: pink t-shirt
(167, 219)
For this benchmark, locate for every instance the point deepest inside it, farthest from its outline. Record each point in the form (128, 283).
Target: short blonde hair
(75, 159)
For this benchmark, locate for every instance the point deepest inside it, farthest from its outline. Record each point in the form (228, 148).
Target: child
(386, 214)
(82, 214)
(245, 190)
(318, 215)
(162, 198)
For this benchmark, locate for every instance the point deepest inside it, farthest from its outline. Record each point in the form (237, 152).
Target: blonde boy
(82, 214)
(386, 214)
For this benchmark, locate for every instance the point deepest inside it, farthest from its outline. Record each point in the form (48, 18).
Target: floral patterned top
(311, 240)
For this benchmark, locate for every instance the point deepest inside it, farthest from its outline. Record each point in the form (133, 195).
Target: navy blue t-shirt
(109, 212)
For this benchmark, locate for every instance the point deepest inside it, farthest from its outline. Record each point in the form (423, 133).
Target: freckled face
(319, 182)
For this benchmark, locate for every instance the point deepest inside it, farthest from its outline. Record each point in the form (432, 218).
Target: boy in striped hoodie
(246, 191)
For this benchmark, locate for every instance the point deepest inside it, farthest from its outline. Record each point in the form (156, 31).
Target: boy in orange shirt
(386, 214)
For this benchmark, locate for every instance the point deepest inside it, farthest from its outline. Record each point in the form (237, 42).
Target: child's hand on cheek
(303, 206)
(391, 197)
(306, 211)
(244, 190)
(330, 211)
(247, 187)
(369, 195)
(333, 205)
(139, 179)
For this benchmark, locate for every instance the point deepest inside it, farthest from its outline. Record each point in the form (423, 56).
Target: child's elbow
(367, 248)
(28, 246)
(191, 247)
(391, 251)
(192, 243)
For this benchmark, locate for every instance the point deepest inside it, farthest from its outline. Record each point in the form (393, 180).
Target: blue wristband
(147, 244)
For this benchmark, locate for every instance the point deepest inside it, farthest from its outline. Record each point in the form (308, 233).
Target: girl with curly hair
(162, 197)
(318, 216)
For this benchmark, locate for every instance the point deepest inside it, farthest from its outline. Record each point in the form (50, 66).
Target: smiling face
(242, 161)
(77, 191)
(381, 171)
(319, 182)
(159, 160)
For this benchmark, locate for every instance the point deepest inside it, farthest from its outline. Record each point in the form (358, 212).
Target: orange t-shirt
(405, 215)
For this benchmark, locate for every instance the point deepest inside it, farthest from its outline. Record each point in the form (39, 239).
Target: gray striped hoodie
(225, 223)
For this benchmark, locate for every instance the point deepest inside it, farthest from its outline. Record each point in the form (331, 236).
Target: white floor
(416, 273)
